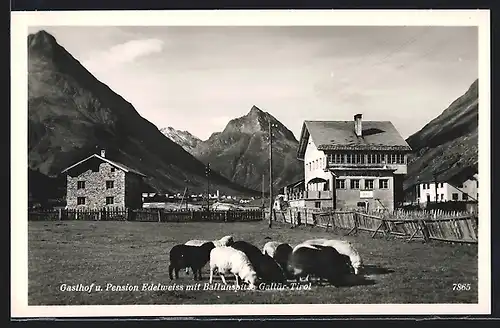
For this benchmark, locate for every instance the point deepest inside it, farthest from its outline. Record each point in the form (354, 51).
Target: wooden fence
(460, 227)
(144, 215)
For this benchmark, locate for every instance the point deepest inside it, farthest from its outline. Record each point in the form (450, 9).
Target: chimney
(103, 153)
(358, 127)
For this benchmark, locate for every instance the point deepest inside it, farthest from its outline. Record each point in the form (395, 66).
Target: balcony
(310, 194)
(398, 168)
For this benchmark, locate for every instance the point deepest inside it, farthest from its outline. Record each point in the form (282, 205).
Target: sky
(198, 78)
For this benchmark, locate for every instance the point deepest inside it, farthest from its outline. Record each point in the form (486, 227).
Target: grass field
(136, 253)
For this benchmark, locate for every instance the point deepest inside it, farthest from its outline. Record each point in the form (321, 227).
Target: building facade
(352, 164)
(97, 182)
(467, 190)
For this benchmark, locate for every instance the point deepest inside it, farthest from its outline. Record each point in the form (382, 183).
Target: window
(80, 201)
(317, 204)
(454, 196)
(383, 183)
(465, 196)
(477, 183)
(369, 184)
(375, 158)
(396, 159)
(110, 184)
(350, 159)
(360, 158)
(338, 158)
(423, 186)
(340, 183)
(428, 186)
(441, 185)
(428, 198)
(112, 169)
(80, 185)
(442, 196)
(354, 184)
(110, 200)
(461, 185)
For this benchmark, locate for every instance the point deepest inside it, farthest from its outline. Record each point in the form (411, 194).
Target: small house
(97, 182)
(446, 190)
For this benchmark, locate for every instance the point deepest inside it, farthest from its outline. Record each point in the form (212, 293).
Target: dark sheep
(187, 256)
(324, 263)
(267, 269)
(281, 256)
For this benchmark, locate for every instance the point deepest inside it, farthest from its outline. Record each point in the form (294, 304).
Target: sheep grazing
(343, 247)
(188, 256)
(224, 241)
(196, 242)
(282, 254)
(227, 260)
(265, 266)
(322, 262)
(270, 247)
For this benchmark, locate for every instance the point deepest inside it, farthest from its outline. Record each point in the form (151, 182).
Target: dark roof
(340, 135)
(115, 164)
(295, 184)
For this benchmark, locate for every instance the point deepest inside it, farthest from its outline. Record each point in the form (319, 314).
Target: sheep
(322, 262)
(342, 246)
(224, 241)
(265, 266)
(270, 247)
(281, 255)
(226, 260)
(185, 256)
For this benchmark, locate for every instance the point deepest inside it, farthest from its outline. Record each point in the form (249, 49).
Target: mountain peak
(42, 42)
(255, 110)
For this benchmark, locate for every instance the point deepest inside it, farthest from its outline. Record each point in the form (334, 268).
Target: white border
(19, 24)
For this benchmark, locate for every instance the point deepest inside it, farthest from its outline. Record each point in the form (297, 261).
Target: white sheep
(226, 260)
(270, 247)
(342, 246)
(224, 241)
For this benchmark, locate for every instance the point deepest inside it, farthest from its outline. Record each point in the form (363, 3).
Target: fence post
(159, 216)
(356, 222)
(60, 214)
(423, 228)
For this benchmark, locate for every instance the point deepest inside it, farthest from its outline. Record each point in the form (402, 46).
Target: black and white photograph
(250, 163)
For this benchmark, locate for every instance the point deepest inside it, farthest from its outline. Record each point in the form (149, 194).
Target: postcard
(235, 163)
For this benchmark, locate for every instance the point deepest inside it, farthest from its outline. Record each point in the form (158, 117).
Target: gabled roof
(340, 135)
(115, 164)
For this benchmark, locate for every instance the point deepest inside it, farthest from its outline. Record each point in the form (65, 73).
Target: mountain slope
(241, 151)
(72, 115)
(183, 138)
(448, 143)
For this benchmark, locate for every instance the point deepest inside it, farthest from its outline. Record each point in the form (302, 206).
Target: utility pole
(207, 173)
(436, 187)
(262, 191)
(270, 175)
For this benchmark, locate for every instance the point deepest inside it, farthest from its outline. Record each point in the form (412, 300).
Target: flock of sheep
(277, 262)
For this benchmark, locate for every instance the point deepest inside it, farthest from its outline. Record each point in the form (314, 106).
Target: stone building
(97, 182)
(352, 164)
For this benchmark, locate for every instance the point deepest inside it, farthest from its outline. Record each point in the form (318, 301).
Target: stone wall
(95, 191)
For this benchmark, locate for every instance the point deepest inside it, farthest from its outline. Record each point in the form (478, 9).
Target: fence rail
(145, 215)
(460, 227)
